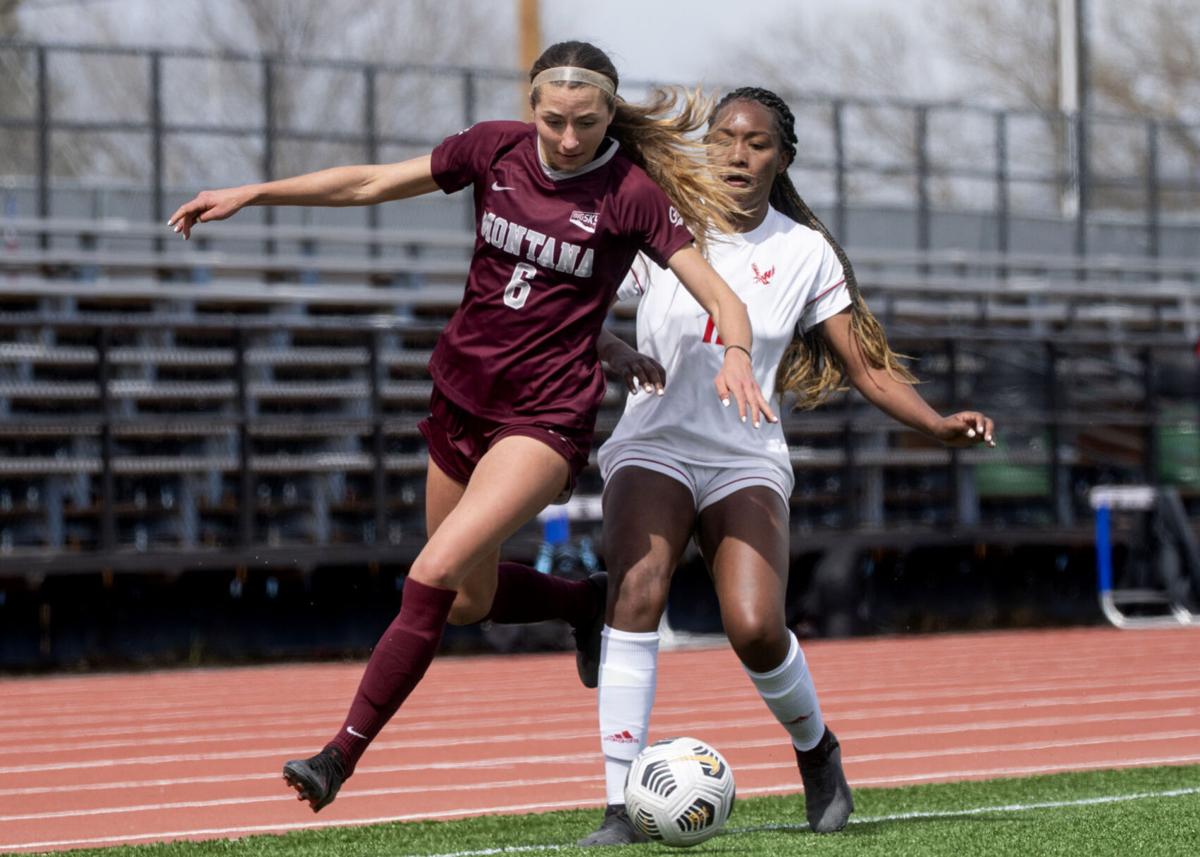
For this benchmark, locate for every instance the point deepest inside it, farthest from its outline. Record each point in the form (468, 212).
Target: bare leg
(648, 518)
(744, 537)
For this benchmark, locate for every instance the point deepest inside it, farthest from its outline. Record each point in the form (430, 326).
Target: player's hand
(208, 205)
(735, 383)
(966, 428)
(639, 371)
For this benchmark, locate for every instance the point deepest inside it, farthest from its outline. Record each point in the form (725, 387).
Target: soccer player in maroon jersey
(562, 207)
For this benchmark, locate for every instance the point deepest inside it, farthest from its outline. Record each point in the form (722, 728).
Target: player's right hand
(639, 371)
(208, 205)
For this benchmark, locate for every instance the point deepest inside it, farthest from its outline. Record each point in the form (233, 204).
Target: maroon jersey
(551, 248)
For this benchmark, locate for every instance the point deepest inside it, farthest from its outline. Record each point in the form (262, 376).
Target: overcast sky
(685, 41)
(682, 40)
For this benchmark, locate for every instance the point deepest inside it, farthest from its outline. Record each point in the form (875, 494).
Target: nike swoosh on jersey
(498, 186)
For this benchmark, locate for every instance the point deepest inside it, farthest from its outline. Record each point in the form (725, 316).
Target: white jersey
(789, 278)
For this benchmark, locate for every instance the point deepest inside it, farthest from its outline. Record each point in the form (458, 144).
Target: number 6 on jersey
(517, 290)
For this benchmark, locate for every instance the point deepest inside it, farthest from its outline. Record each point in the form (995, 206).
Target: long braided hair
(809, 369)
(659, 137)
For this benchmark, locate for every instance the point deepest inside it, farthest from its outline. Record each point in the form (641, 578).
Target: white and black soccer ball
(679, 791)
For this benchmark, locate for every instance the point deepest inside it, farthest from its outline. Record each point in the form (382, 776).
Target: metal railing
(855, 152)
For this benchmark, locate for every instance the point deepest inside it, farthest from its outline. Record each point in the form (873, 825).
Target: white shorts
(708, 484)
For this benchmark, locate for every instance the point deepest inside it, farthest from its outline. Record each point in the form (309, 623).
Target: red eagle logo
(763, 277)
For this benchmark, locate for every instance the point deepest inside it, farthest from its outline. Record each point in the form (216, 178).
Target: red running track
(116, 759)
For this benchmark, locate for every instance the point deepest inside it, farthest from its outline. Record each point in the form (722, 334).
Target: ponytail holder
(741, 348)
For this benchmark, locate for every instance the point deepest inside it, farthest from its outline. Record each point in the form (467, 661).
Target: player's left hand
(966, 428)
(735, 383)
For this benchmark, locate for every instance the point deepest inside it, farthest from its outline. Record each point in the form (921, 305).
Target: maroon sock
(399, 661)
(524, 594)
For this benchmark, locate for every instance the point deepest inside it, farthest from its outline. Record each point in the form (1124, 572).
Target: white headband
(574, 74)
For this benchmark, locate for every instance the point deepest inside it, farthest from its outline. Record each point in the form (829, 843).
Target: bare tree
(1144, 61)
(415, 33)
(308, 98)
(10, 24)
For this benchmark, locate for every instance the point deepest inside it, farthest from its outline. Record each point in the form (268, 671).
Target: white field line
(315, 825)
(593, 778)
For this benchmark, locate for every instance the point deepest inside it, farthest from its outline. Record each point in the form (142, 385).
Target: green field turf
(1144, 811)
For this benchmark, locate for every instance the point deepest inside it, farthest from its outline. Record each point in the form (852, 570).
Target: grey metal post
(922, 167)
(470, 99)
(1153, 203)
(156, 143)
(955, 471)
(849, 467)
(1058, 498)
(378, 451)
(839, 172)
(43, 143)
(268, 155)
(1002, 195)
(246, 501)
(371, 131)
(1081, 149)
(1151, 458)
(108, 520)
(1081, 140)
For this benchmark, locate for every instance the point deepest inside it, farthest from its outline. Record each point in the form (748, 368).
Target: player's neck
(753, 218)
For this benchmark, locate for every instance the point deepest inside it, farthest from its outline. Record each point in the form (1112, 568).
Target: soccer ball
(679, 791)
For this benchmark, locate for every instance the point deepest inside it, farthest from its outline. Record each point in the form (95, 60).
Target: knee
(434, 570)
(471, 603)
(759, 640)
(639, 595)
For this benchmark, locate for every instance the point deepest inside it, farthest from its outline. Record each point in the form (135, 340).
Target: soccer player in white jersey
(672, 468)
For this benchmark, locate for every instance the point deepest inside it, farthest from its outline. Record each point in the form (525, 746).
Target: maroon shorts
(458, 439)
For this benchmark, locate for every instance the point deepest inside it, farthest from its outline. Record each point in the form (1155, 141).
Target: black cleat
(587, 635)
(317, 779)
(827, 799)
(615, 829)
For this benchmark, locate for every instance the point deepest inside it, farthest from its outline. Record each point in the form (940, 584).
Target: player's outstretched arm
(898, 399)
(363, 184)
(736, 378)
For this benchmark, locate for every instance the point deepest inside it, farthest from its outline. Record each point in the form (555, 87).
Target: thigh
(744, 539)
(648, 518)
(512, 482)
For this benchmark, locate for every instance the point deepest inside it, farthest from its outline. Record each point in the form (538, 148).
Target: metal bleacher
(169, 405)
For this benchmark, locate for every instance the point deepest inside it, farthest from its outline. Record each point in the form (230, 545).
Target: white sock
(789, 692)
(628, 672)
